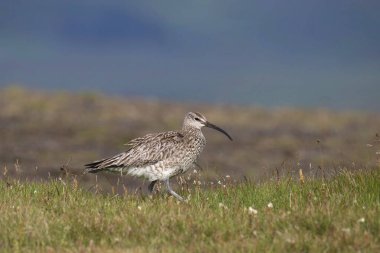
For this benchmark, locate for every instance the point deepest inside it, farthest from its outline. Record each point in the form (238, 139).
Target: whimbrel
(160, 156)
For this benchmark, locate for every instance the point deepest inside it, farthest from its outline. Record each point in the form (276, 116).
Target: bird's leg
(151, 186)
(196, 164)
(171, 191)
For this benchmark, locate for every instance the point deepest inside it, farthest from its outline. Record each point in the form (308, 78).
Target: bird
(160, 156)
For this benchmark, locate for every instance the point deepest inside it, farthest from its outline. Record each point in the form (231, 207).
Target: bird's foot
(174, 194)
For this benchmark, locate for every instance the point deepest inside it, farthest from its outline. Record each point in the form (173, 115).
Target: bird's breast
(191, 152)
(195, 145)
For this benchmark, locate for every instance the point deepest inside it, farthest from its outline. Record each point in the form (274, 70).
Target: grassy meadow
(293, 180)
(341, 214)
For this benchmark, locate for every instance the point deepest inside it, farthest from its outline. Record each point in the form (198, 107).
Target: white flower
(361, 220)
(270, 205)
(221, 205)
(251, 210)
(139, 207)
(35, 191)
(290, 240)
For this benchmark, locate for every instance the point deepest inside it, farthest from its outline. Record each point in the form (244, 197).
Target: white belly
(159, 171)
(153, 172)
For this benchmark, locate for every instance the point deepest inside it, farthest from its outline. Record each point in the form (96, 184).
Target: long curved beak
(208, 124)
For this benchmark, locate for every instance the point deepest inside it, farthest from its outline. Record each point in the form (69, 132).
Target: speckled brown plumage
(160, 156)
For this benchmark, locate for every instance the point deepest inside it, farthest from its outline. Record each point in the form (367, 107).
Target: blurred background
(271, 53)
(297, 83)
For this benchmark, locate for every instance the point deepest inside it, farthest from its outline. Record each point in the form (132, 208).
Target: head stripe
(199, 115)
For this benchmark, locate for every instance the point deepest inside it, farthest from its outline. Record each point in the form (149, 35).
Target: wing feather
(142, 151)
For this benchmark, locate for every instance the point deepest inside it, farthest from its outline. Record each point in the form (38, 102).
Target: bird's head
(197, 120)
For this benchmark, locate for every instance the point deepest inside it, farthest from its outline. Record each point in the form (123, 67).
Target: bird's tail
(109, 164)
(94, 167)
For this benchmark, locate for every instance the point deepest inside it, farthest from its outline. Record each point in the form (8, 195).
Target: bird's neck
(186, 129)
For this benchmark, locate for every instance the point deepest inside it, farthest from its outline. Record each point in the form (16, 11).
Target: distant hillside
(46, 130)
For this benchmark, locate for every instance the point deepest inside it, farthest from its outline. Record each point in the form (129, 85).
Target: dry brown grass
(48, 129)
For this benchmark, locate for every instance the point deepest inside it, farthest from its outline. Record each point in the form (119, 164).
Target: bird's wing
(143, 151)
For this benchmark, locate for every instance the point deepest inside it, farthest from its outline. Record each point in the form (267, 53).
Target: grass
(341, 214)
(330, 210)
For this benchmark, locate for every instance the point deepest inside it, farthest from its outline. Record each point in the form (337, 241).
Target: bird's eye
(197, 119)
